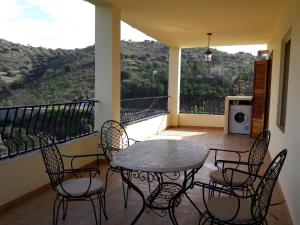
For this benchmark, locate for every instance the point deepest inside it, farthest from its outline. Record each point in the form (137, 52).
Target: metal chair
(230, 208)
(114, 138)
(71, 184)
(237, 178)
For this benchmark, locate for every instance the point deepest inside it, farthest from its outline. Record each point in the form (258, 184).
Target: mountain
(37, 75)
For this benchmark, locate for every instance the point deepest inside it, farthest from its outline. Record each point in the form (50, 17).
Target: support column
(107, 64)
(174, 85)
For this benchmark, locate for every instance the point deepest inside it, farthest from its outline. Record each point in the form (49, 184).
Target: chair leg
(57, 212)
(65, 208)
(95, 213)
(54, 210)
(105, 188)
(102, 205)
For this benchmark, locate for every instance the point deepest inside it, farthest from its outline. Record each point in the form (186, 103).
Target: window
(284, 78)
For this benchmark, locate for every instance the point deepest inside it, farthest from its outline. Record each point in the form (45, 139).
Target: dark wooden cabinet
(261, 96)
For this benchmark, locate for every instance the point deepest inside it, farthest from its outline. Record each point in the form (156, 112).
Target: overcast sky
(65, 24)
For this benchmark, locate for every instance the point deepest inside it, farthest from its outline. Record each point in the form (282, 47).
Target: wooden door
(260, 96)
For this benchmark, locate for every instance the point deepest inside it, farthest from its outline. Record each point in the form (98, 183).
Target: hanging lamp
(208, 53)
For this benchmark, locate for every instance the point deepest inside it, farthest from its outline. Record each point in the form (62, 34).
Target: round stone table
(152, 160)
(162, 156)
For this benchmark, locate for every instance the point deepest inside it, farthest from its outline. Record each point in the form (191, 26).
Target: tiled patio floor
(38, 210)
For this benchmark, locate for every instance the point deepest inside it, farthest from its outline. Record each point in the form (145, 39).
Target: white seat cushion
(79, 186)
(238, 178)
(224, 209)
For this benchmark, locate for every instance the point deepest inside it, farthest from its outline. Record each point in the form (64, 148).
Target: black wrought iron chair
(114, 138)
(71, 184)
(230, 208)
(236, 178)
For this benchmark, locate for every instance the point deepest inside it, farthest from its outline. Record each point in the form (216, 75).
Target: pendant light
(208, 53)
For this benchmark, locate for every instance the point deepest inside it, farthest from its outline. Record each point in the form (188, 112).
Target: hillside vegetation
(30, 75)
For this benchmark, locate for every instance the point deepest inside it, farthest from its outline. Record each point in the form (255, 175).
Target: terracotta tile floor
(38, 210)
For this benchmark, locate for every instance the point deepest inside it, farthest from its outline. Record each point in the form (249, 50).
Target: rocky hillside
(30, 75)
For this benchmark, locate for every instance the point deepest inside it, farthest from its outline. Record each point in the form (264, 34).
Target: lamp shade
(207, 56)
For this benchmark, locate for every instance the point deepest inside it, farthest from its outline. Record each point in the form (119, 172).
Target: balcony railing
(202, 105)
(138, 109)
(19, 126)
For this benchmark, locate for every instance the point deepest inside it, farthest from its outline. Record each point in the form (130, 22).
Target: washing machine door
(240, 117)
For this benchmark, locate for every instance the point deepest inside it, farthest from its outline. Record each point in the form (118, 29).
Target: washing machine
(240, 118)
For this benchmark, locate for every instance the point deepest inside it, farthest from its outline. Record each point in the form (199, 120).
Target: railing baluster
(48, 129)
(85, 125)
(20, 129)
(71, 119)
(60, 124)
(67, 116)
(3, 135)
(91, 114)
(44, 117)
(55, 120)
(81, 113)
(11, 136)
(28, 126)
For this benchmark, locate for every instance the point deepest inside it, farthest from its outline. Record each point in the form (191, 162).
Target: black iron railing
(19, 126)
(138, 109)
(202, 105)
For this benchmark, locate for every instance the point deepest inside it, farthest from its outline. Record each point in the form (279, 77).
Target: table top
(162, 156)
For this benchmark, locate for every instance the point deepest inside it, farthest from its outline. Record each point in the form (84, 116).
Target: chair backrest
(265, 188)
(113, 138)
(258, 151)
(52, 159)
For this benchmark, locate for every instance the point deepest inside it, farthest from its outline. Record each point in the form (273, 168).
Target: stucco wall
(290, 139)
(202, 120)
(147, 128)
(26, 173)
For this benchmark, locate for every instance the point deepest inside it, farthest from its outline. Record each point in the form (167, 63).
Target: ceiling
(184, 23)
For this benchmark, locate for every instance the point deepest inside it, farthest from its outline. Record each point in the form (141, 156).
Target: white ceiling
(184, 23)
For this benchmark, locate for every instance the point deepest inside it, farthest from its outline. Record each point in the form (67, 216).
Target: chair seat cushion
(224, 209)
(238, 178)
(78, 186)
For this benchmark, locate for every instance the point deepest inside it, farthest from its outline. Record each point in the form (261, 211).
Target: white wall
(147, 128)
(201, 120)
(290, 139)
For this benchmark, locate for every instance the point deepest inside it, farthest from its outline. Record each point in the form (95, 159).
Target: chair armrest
(227, 150)
(216, 150)
(83, 155)
(74, 157)
(82, 170)
(232, 162)
(237, 163)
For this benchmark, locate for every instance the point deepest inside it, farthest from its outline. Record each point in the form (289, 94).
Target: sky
(47, 23)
